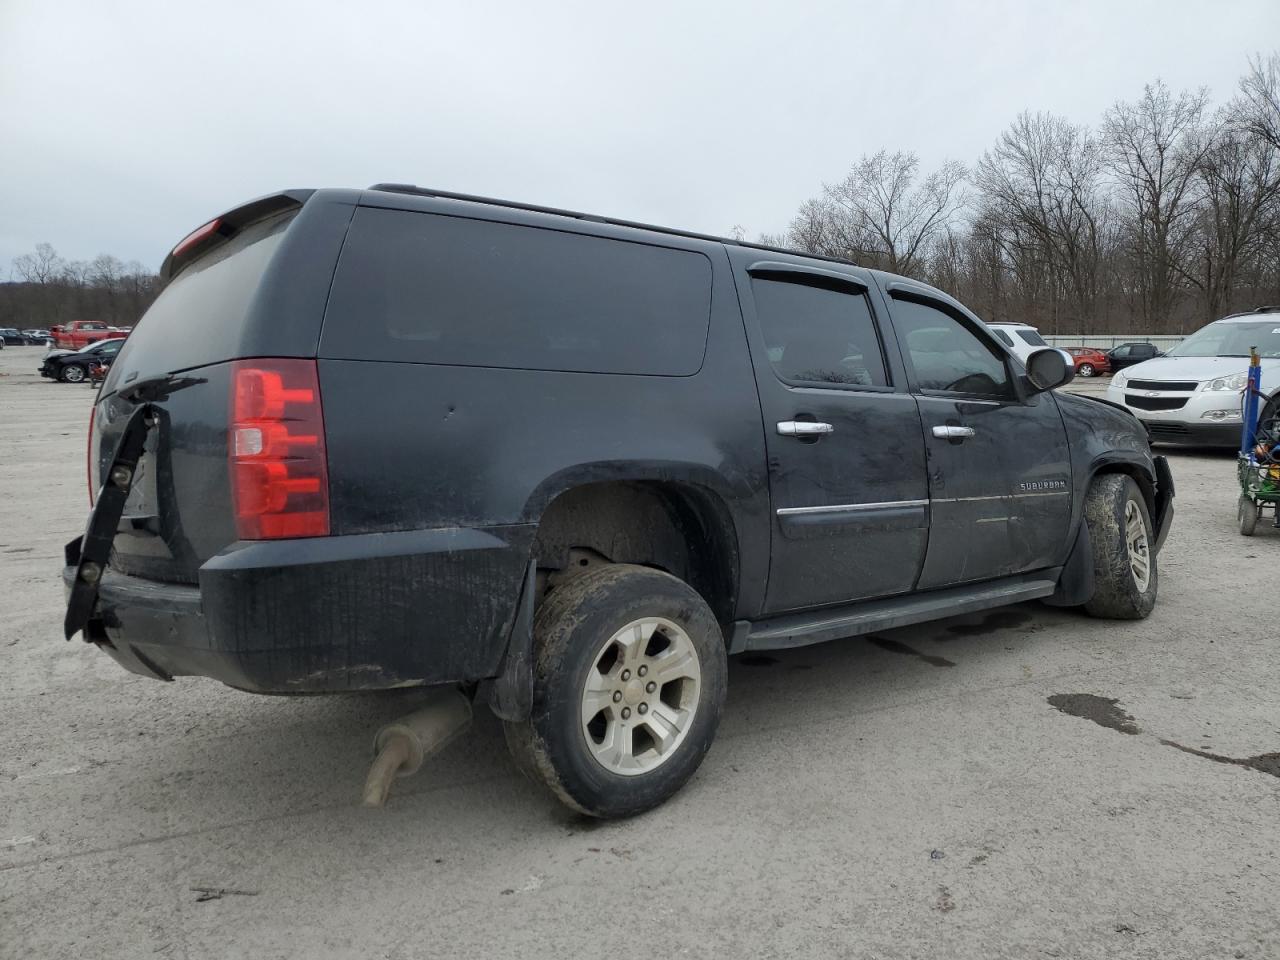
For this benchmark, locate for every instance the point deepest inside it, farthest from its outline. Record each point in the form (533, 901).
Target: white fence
(1105, 341)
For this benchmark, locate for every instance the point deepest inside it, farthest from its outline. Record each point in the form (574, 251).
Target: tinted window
(1003, 337)
(432, 289)
(1144, 350)
(946, 355)
(199, 317)
(1120, 352)
(814, 334)
(1032, 337)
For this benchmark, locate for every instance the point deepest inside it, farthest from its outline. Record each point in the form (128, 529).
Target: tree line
(47, 289)
(1162, 217)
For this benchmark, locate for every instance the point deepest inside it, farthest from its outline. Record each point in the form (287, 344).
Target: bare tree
(880, 214)
(1155, 148)
(1257, 107)
(42, 266)
(1042, 184)
(1240, 197)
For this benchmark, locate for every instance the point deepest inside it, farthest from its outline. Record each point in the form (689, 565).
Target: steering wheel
(975, 383)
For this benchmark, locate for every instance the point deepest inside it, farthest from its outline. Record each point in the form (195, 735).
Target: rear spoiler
(222, 228)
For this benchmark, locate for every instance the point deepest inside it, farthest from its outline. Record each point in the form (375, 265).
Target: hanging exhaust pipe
(401, 747)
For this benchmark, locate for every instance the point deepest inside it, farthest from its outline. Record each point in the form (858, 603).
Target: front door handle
(949, 432)
(803, 428)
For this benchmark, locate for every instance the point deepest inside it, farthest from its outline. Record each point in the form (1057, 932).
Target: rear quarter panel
(418, 445)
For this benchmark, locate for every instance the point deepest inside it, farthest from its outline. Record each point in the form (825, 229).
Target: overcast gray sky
(127, 124)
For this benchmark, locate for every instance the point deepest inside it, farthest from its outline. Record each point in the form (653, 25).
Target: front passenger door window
(947, 356)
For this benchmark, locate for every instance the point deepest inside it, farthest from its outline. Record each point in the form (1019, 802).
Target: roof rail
(413, 190)
(1269, 308)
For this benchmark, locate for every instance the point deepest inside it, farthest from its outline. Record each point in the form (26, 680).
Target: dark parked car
(12, 337)
(74, 366)
(37, 336)
(371, 439)
(1127, 354)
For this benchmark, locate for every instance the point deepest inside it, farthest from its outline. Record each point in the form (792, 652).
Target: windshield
(1223, 339)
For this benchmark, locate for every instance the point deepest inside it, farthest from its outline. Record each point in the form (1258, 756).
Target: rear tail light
(279, 471)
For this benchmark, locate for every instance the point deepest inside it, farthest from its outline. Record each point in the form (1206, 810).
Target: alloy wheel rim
(640, 696)
(74, 374)
(1139, 551)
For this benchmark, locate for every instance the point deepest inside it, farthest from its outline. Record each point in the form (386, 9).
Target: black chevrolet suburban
(392, 437)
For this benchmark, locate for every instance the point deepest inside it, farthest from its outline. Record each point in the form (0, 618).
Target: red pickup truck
(80, 333)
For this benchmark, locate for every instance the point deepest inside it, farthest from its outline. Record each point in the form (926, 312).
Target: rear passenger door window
(819, 334)
(947, 356)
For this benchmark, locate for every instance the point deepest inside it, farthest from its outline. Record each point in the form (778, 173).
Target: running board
(851, 620)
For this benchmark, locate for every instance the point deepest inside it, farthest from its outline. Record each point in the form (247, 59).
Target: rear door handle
(803, 428)
(949, 432)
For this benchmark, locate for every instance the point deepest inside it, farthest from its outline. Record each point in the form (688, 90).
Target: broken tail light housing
(279, 468)
(90, 458)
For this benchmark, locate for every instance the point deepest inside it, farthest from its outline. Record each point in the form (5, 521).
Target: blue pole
(1250, 414)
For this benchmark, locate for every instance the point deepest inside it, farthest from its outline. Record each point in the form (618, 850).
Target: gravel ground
(959, 789)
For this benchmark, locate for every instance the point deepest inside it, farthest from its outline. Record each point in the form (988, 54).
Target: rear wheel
(1124, 562)
(629, 681)
(1086, 370)
(72, 373)
(1247, 515)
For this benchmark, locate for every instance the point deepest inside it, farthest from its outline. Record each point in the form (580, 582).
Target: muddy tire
(1247, 515)
(1124, 564)
(1269, 421)
(629, 681)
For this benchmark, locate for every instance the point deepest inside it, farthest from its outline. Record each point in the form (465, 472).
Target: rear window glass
(424, 288)
(1032, 337)
(1003, 337)
(200, 316)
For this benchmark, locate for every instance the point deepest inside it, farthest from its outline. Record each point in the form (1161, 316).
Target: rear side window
(1032, 337)
(818, 335)
(1003, 337)
(424, 288)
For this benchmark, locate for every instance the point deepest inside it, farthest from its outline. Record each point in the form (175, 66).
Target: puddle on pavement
(1268, 763)
(893, 646)
(998, 620)
(1104, 711)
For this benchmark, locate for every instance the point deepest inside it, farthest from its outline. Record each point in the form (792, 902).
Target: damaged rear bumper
(360, 612)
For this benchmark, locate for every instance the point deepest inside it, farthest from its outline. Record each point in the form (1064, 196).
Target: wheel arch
(672, 523)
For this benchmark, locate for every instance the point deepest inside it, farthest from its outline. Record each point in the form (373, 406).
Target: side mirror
(1048, 369)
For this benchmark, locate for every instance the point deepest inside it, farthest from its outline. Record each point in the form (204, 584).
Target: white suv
(1194, 393)
(1022, 339)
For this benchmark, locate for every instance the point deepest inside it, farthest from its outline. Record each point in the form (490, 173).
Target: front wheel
(628, 685)
(1086, 370)
(1124, 561)
(72, 373)
(1247, 515)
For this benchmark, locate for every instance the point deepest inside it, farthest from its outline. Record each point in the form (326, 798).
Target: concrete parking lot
(959, 789)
